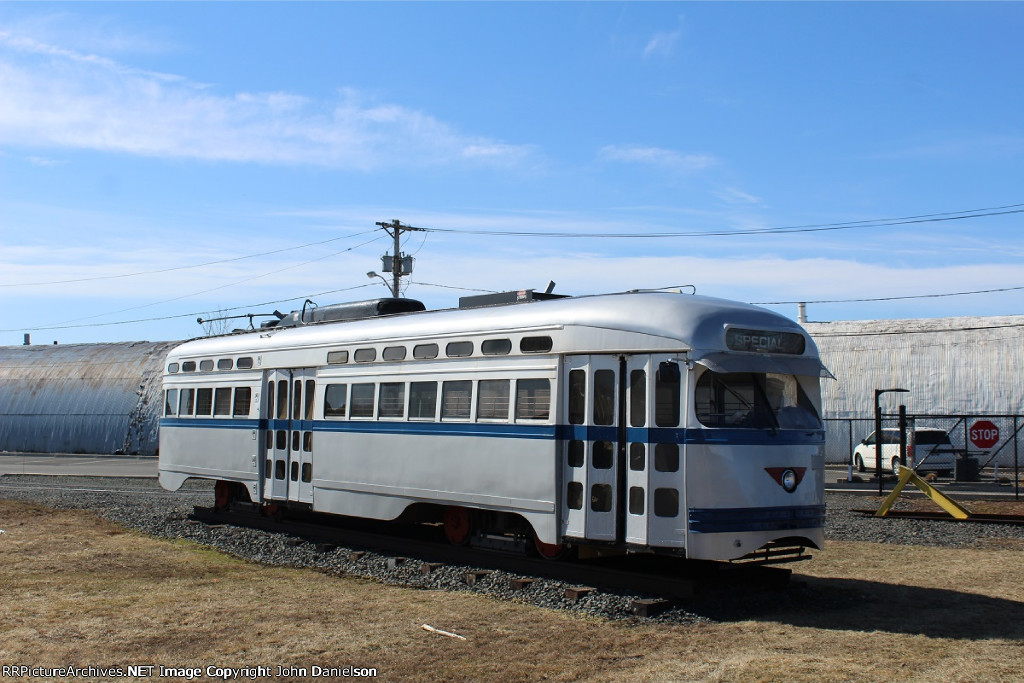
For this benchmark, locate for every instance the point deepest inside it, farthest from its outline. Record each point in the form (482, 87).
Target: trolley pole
(395, 229)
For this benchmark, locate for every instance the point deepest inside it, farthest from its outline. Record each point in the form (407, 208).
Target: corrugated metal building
(81, 398)
(966, 366)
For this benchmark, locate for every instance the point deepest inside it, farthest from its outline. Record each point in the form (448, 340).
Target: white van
(931, 451)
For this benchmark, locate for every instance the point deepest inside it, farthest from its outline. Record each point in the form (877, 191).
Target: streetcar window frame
(170, 403)
(204, 402)
(496, 347)
(456, 400)
(332, 393)
(425, 351)
(362, 401)
(459, 349)
(242, 402)
(337, 357)
(536, 344)
(365, 355)
(493, 400)
(423, 400)
(206, 365)
(244, 363)
(391, 400)
(222, 402)
(533, 399)
(393, 353)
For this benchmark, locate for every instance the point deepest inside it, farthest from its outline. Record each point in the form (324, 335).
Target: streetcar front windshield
(753, 400)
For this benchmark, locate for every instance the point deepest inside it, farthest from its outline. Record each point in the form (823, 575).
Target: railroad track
(667, 580)
(1015, 520)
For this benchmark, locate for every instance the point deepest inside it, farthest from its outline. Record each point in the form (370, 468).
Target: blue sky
(139, 141)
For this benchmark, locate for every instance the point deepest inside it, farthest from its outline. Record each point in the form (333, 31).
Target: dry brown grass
(78, 590)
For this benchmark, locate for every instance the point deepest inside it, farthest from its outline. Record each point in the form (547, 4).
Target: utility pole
(398, 261)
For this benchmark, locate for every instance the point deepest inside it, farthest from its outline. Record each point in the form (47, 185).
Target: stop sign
(984, 434)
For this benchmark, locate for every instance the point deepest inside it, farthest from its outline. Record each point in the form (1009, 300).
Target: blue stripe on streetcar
(710, 437)
(736, 520)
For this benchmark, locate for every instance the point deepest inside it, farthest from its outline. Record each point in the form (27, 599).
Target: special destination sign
(764, 341)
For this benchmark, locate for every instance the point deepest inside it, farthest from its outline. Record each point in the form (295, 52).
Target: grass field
(77, 590)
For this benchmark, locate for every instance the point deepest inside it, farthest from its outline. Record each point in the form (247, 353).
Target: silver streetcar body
(654, 421)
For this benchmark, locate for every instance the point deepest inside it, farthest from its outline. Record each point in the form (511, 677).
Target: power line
(65, 324)
(195, 265)
(187, 315)
(849, 225)
(887, 298)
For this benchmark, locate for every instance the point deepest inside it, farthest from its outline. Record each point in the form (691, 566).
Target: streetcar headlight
(789, 480)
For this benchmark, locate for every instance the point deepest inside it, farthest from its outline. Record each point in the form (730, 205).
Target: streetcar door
(275, 469)
(300, 452)
(594, 448)
(638, 454)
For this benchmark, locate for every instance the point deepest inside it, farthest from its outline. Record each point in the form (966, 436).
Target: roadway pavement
(78, 465)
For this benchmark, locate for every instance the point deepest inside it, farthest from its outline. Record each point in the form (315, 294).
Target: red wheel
(550, 551)
(456, 525)
(221, 495)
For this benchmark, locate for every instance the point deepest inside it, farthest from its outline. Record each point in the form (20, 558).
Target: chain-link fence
(990, 445)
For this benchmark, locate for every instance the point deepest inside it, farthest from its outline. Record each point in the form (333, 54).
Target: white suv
(931, 451)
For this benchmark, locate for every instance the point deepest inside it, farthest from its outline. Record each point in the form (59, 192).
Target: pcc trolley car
(637, 421)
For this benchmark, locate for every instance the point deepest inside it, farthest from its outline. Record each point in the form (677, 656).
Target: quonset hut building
(82, 398)
(106, 398)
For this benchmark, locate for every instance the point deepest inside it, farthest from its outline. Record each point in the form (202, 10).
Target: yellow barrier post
(907, 475)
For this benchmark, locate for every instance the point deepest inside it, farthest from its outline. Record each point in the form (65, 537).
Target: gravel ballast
(141, 504)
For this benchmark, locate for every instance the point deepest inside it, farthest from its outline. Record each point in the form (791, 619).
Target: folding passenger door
(275, 469)
(598, 444)
(300, 455)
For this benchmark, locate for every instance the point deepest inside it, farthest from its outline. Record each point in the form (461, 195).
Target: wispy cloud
(656, 156)
(59, 98)
(662, 44)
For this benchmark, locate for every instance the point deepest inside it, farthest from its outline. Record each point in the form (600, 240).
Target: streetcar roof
(641, 320)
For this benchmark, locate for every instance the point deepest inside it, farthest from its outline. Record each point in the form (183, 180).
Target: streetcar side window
(456, 397)
(459, 349)
(362, 400)
(335, 400)
(424, 351)
(243, 399)
(225, 364)
(637, 398)
(282, 399)
(204, 401)
(171, 402)
(535, 344)
(496, 347)
(667, 383)
(422, 400)
(392, 399)
(533, 399)
(393, 353)
(188, 402)
(206, 365)
(577, 396)
(492, 400)
(604, 397)
(222, 401)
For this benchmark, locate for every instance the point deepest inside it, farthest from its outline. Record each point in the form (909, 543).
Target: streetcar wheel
(858, 462)
(221, 495)
(550, 551)
(457, 527)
